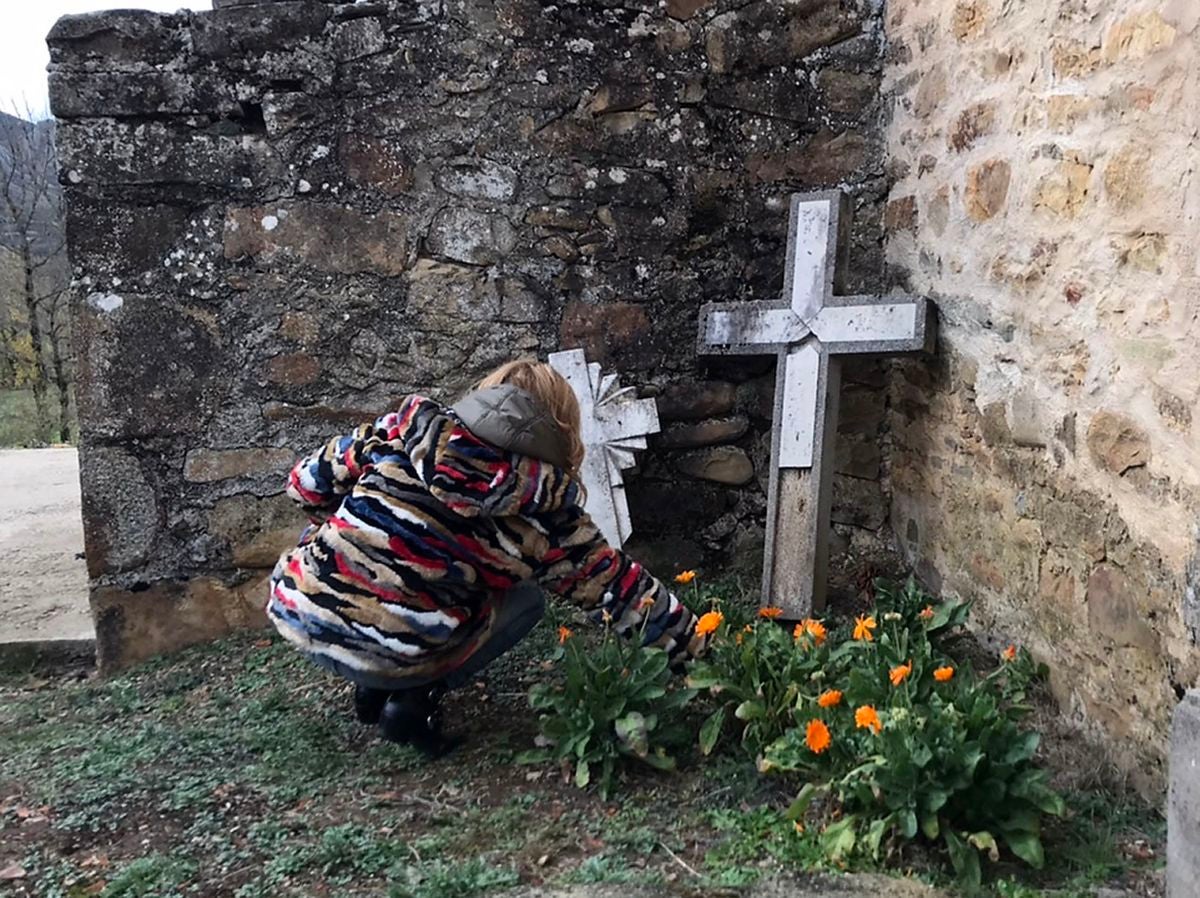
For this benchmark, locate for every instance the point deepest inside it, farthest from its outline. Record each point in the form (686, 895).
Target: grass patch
(237, 769)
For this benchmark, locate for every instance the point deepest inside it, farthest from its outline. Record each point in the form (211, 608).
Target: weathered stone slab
(328, 237)
(1183, 800)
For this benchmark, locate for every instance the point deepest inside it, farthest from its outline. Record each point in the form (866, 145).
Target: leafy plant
(616, 701)
(441, 879)
(758, 674)
(884, 724)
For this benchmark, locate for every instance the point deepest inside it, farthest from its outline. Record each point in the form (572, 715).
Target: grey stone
(703, 433)
(693, 401)
(1183, 800)
(478, 178)
(121, 511)
(465, 235)
(723, 464)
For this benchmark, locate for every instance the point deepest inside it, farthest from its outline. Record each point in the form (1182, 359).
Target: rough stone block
(330, 238)
(122, 511)
(987, 189)
(135, 624)
(110, 152)
(1183, 800)
(614, 334)
(245, 30)
(118, 37)
(256, 530)
(1113, 613)
(1116, 443)
(723, 464)
(692, 401)
(703, 433)
(211, 465)
(147, 366)
(466, 235)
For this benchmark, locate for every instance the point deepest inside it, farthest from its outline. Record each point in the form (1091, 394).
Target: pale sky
(23, 54)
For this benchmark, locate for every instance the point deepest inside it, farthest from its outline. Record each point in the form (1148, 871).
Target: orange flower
(866, 717)
(709, 622)
(645, 603)
(926, 613)
(817, 737)
(944, 674)
(770, 612)
(685, 577)
(829, 698)
(815, 629)
(1010, 653)
(863, 627)
(900, 673)
(564, 633)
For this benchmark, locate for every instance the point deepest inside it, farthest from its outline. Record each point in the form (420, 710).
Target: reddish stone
(293, 369)
(377, 163)
(618, 330)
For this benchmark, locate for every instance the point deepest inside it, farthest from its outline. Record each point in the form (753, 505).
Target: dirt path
(43, 585)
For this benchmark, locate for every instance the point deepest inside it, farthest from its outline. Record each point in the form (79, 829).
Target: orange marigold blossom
(1010, 653)
(564, 633)
(708, 623)
(944, 674)
(900, 673)
(645, 603)
(926, 613)
(863, 627)
(815, 629)
(816, 737)
(829, 698)
(770, 612)
(685, 576)
(866, 717)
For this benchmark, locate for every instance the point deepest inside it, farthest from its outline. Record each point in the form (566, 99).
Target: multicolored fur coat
(423, 527)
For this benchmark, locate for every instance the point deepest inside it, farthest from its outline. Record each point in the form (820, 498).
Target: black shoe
(368, 703)
(414, 717)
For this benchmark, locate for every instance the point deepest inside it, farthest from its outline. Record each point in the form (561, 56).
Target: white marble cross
(614, 424)
(808, 329)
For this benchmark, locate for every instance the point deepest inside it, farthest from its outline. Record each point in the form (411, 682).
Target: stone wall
(1046, 196)
(284, 216)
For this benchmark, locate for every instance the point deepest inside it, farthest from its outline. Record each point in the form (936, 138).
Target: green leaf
(583, 774)
(908, 823)
(935, 799)
(875, 835)
(931, 827)
(704, 678)
(985, 841)
(839, 839)
(710, 732)
(632, 734)
(921, 755)
(1027, 846)
(964, 858)
(749, 710)
(534, 756)
(797, 809)
(660, 760)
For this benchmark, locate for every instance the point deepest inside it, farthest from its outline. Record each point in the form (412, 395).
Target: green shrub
(616, 700)
(880, 721)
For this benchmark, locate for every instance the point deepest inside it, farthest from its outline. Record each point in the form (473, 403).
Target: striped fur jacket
(422, 527)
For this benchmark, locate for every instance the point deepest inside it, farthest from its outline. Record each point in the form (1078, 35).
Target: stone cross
(808, 329)
(614, 424)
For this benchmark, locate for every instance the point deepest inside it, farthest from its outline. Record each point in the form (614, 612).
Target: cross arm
(874, 324)
(748, 328)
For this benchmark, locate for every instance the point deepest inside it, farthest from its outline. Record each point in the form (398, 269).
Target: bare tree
(32, 226)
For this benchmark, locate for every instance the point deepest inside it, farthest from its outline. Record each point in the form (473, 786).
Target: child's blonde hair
(550, 389)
